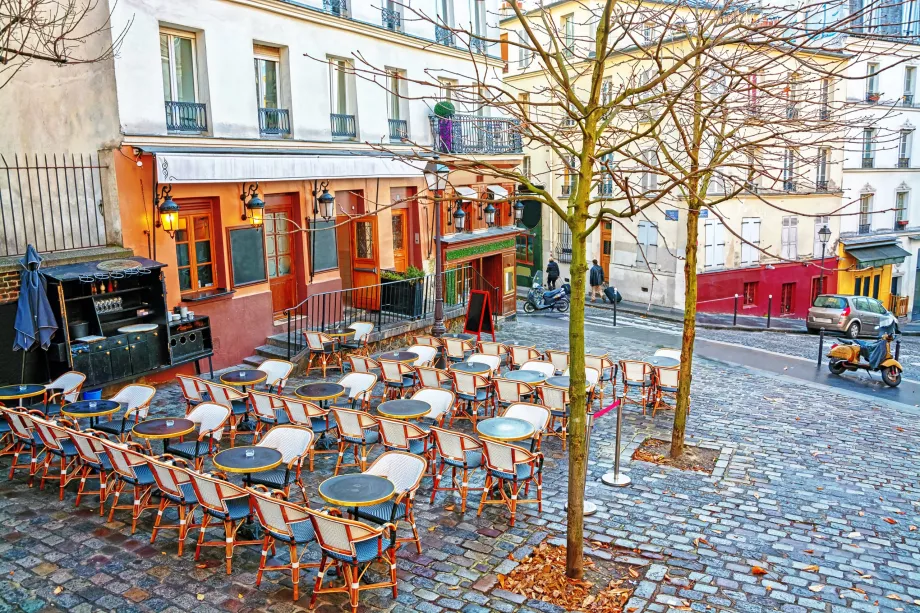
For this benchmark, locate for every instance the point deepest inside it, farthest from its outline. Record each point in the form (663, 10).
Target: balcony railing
(907, 100)
(186, 116)
(477, 45)
(789, 186)
(473, 134)
(868, 162)
(821, 186)
(443, 36)
(399, 129)
(391, 19)
(792, 112)
(274, 121)
(903, 162)
(824, 114)
(336, 7)
(865, 228)
(343, 126)
(605, 188)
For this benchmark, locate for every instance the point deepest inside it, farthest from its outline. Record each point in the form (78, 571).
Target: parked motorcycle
(870, 356)
(540, 299)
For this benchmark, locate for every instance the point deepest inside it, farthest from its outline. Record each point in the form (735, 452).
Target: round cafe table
(397, 356)
(92, 409)
(525, 376)
(237, 460)
(356, 490)
(404, 409)
(339, 333)
(161, 428)
(18, 392)
(663, 361)
(243, 377)
(505, 429)
(473, 368)
(321, 393)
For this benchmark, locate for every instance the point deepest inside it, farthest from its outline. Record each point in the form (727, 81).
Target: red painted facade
(791, 285)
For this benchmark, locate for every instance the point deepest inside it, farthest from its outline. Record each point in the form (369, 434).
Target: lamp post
(824, 235)
(436, 178)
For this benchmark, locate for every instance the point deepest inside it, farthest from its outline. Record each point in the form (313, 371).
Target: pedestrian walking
(596, 280)
(552, 273)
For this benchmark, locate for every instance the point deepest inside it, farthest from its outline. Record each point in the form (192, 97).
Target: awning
(498, 191)
(223, 168)
(466, 192)
(873, 256)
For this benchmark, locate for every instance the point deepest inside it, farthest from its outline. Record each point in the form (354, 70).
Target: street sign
(671, 214)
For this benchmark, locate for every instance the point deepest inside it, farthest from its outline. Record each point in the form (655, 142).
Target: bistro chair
(519, 354)
(459, 451)
(433, 377)
(224, 502)
(441, 401)
(405, 471)
(174, 481)
(362, 363)
(307, 414)
(668, 353)
(494, 362)
(353, 547)
(608, 374)
(514, 468)
(58, 449)
(284, 523)
(135, 399)
(294, 443)
(535, 414)
(131, 470)
(276, 374)
(359, 387)
(323, 349)
(556, 399)
(234, 400)
(559, 360)
(357, 430)
(6, 435)
(211, 419)
(592, 377)
(193, 390)
(508, 392)
(637, 376)
(397, 378)
(94, 464)
(358, 342)
(403, 435)
(455, 349)
(666, 381)
(473, 390)
(25, 440)
(269, 411)
(426, 355)
(428, 341)
(545, 368)
(63, 390)
(494, 348)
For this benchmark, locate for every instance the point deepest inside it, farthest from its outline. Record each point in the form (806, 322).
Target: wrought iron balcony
(824, 114)
(907, 100)
(470, 134)
(399, 129)
(792, 112)
(186, 117)
(443, 36)
(903, 162)
(865, 228)
(391, 19)
(821, 186)
(477, 45)
(605, 188)
(274, 121)
(789, 186)
(336, 7)
(343, 126)
(868, 162)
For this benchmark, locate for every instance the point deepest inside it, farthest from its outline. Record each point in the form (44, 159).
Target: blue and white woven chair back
(360, 363)
(599, 362)
(222, 394)
(544, 368)
(359, 384)
(428, 341)
(276, 372)
(49, 436)
(559, 359)
(352, 423)
(392, 371)
(521, 354)
(555, 398)
(440, 400)
(635, 372)
(21, 424)
(290, 440)
(362, 329)
(668, 353)
(192, 387)
(316, 341)
(669, 377)
(168, 477)
(536, 415)
(264, 404)
(70, 382)
(405, 470)
(510, 391)
(452, 444)
(211, 418)
(492, 361)
(467, 383)
(455, 348)
(300, 411)
(425, 354)
(123, 459)
(88, 447)
(135, 399)
(276, 515)
(491, 348)
(503, 457)
(338, 534)
(213, 493)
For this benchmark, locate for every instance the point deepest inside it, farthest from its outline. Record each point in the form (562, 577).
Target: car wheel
(529, 307)
(891, 375)
(853, 330)
(836, 367)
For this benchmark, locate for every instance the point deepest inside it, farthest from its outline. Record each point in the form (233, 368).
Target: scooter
(870, 356)
(539, 299)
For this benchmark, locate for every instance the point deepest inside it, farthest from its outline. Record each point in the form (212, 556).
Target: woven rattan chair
(276, 374)
(428, 341)
(359, 388)
(535, 414)
(433, 377)
(405, 471)
(358, 342)
(638, 377)
(6, 435)
(303, 413)
(441, 401)
(666, 381)
(60, 454)
(608, 375)
(353, 547)
(211, 419)
(131, 470)
(294, 442)
(193, 390)
(559, 359)
(674, 354)
(135, 400)
(494, 362)
(473, 392)
(323, 349)
(269, 411)
(398, 378)
(547, 369)
(25, 441)
(556, 399)
(493, 348)
(460, 452)
(63, 390)
(402, 435)
(362, 363)
(592, 378)
(94, 464)
(233, 399)
(285, 523)
(357, 430)
(174, 482)
(508, 392)
(514, 468)
(456, 349)
(519, 354)
(224, 502)
(426, 355)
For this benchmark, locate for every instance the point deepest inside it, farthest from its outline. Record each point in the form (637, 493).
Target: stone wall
(9, 286)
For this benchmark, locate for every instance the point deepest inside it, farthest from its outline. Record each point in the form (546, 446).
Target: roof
(71, 272)
(877, 254)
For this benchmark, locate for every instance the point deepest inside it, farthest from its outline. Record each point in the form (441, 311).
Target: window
(825, 111)
(568, 28)
(910, 80)
(523, 252)
(479, 18)
(868, 148)
(525, 55)
(820, 222)
(753, 91)
(279, 248)
(446, 12)
(790, 238)
(607, 91)
(750, 233)
(900, 207)
(395, 98)
(340, 72)
(446, 88)
(525, 166)
(865, 208)
(177, 58)
(510, 285)
(605, 185)
(391, 15)
(787, 298)
(904, 146)
(649, 179)
(648, 243)
(570, 176)
(789, 170)
(267, 78)
(194, 252)
(714, 241)
(648, 33)
(872, 94)
(792, 97)
(821, 174)
(750, 293)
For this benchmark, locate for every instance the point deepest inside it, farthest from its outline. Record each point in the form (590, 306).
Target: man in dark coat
(552, 273)
(596, 280)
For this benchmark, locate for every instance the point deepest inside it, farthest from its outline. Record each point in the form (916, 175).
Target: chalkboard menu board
(324, 254)
(479, 314)
(247, 255)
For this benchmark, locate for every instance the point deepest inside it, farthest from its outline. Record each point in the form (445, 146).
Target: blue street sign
(670, 214)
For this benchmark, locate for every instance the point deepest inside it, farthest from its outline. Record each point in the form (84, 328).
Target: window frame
(528, 244)
(188, 218)
(865, 202)
(649, 231)
(749, 244)
(900, 208)
(343, 66)
(173, 83)
(872, 71)
(749, 293)
(260, 94)
(905, 143)
(910, 80)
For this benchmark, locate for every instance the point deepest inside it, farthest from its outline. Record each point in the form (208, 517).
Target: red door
(365, 262)
(279, 252)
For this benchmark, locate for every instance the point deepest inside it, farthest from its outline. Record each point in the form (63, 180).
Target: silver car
(852, 315)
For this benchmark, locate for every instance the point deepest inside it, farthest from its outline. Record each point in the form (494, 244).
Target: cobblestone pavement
(817, 488)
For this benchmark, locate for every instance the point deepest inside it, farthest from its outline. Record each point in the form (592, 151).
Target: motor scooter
(871, 356)
(540, 299)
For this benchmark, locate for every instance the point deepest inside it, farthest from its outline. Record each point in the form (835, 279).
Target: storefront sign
(474, 250)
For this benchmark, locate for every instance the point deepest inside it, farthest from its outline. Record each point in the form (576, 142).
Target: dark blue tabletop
(235, 459)
(99, 407)
(243, 377)
(474, 368)
(403, 408)
(505, 429)
(525, 376)
(21, 391)
(356, 490)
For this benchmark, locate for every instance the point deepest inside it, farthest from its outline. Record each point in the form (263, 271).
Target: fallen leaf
(756, 570)
(200, 596)
(817, 587)
(632, 571)
(893, 597)
(59, 589)
(501, 581)
(890, 521)
(201, 566)
(809, 551)
(450, 507)
(812, 568)
(912, 528)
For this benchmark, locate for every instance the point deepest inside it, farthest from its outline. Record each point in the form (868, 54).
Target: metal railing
(391, 19)
(186, 116)
(474, 134)
(54, 204)
(873, 97)
(385, 304)
(336, 7)
(788, 186)
(865, 228)
(868, 162)
(907, 100)
(792, 112)
(824, 113)
(477, 45)
(821, 186)
(274, 121)
(903, 162)
(399, 129)
(343, 126)
(563, 248)
(443, 36)
(605, 188)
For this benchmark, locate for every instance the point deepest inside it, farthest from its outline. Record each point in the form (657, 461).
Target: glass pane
(272, 268)
(203, 251)
(202, 228)
(183, 52)
(270, 245)
(269, 221)
(283, 242)
(205, 276)
(284, 265)
(268, 83)
(185, 279)
(398, 238)
(182, 254)
(281, 223)
(182, 235)
(164, 62)
(364, 240)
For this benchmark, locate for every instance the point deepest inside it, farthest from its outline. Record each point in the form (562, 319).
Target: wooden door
(400, 238)
(279, 255)
(606, 246)
(365, 263)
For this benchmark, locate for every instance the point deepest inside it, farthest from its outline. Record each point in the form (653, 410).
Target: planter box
(403, 297)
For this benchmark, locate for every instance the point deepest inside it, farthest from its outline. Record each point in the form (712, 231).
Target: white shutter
(719, 242)
(755, 238)
(794, 238)
(784, 240)
(709, 242)
(745, 237)
(651, 235)
(642, 238)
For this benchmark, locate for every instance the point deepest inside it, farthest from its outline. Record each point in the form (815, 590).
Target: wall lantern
(824, 234)
(459, 217)
(167, 212)
(253, 206)
(518, 210)
(490, 215)
(324, 202)
(436, 176)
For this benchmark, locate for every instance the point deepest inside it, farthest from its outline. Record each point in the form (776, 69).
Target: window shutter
(709, 244)
(719, 237)
(745, 237)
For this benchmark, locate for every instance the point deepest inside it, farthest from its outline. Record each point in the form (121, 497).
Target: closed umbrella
(35, 322)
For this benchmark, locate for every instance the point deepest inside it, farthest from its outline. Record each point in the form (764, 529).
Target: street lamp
(167, 212)
(824, 235)
(490, 214)
(253, 206)
(459, 217)
(323, 205)
(436, 178)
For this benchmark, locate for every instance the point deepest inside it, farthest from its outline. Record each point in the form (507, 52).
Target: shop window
(786, 298)
(195, 252)
(510, 285)
(524, 249)
(750, 293)
(815, 288)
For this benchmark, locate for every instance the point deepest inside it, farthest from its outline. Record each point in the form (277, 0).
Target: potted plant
(403, 293)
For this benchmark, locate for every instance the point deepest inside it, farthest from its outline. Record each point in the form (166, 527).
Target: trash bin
(93, 395)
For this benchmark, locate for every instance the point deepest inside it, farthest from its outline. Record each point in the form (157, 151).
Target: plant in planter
(403, 293)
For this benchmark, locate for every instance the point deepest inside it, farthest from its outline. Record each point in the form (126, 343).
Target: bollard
(615, 478)
(769, 308)
(820, 346)
(614, 307)
(897, 350)
(589, 508)
(735, 316)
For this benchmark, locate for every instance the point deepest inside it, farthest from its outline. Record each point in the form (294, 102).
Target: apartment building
(303, 107)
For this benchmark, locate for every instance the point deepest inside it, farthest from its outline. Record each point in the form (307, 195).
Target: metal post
(614, 307)
(589, 508)
(735, 316)
(615, 479)
(820, 346)
(769, 308)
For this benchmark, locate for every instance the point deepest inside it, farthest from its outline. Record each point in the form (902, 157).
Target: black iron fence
(399, 129)
(343, 126)
(336, 7)
(53, 203)
(474, 134)
(274, 121)
(186, 116)
(391, 19)
(384, 305)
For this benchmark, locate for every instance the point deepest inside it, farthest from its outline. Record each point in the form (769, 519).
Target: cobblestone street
(817, 488)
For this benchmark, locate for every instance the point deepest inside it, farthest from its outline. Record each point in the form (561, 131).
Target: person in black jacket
(596, 280)
(552, 273)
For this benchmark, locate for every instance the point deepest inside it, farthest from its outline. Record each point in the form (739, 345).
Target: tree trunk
(577, 422)
(689, 336)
